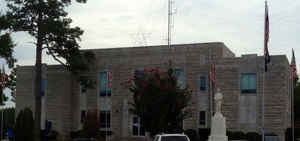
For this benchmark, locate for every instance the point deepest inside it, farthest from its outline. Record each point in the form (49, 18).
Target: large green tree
(158, 100)
(48, 23)
(6, 50)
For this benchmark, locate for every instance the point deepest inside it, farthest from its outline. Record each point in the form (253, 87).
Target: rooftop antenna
(171, 12)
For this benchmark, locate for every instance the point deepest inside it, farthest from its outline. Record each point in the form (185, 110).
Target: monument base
(217, 138)
(218, 128)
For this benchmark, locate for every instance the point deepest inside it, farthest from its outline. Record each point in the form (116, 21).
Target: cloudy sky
(237, 23)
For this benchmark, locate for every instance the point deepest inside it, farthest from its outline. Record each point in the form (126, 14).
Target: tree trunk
(38, 79)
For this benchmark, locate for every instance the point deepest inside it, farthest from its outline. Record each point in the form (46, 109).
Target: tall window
(137, 127)
(83, 87)
(82, 116)
(202, 118)
(105, 83)
(202, 83)
(180, 77)
(248, 83)
(43, 86)
(105, 119)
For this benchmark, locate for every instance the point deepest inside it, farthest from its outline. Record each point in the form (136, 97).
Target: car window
(173, 138)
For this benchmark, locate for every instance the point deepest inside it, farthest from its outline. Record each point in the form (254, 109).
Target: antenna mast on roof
(171, 12)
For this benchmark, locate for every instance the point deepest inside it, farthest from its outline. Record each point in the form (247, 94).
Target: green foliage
(24, 125)
(11, 83)
(289, 134)
(253, 136)
(8, 119)
(47, 22)
(6, 49)
(204, 133)
(159, 101)
(192, 134)
(238, 135)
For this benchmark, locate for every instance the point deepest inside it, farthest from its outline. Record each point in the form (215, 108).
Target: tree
(47, 22)
(11, 83)
(159, 101)
(6, 43)
(24, 125)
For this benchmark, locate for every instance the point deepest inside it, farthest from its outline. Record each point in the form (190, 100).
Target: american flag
(3, 77)
(108, 80)
(212, 72)
(266, 51)
(293, 66)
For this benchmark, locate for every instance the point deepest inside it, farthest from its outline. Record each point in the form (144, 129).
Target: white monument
(218, 121)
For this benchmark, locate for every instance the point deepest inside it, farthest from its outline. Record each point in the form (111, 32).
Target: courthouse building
(240, 79)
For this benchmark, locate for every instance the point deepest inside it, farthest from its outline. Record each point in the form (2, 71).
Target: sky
(125, 23)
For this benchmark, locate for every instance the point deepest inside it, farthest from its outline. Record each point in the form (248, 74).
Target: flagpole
(263, 87)
(293, 127)
(210, 89)
(2, 102)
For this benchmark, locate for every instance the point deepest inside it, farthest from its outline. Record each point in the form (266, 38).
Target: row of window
(105, 122)
(248, 82)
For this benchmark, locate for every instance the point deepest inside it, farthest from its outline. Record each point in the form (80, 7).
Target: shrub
(253, 136)
(90, 128)
(204, 134)
(192, 134)
(24, 125)
(238, 135)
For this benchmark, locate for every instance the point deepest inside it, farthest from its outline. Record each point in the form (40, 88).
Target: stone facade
(63, 101)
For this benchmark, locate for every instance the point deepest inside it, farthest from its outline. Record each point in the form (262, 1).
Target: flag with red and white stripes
(3, 78)
(266, 50)
(212, 72)
(293, 66)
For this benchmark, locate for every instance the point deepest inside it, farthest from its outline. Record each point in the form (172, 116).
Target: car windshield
(173, 138)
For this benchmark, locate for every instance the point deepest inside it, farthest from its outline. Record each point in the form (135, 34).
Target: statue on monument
(218, 121)
(218, 101)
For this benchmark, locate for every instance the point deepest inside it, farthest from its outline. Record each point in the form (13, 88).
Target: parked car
(171, 137)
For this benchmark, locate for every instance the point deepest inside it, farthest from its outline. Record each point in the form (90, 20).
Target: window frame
(105, 125)
(202, 122)
(201, 83)
(108, 91)
(248, 90)
(139, 127)
(177, 74)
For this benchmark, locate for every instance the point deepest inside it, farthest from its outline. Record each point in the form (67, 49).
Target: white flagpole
(2, 102)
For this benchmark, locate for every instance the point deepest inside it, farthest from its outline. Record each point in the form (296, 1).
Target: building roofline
(126, 47)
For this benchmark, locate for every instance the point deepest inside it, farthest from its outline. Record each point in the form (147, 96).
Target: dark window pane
(142, 131)
(43, 87)
(104, 119)
(180, 77)
(83, 115)
(248, 83)
(202, 118)
(202, 83)
(135, 130)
